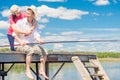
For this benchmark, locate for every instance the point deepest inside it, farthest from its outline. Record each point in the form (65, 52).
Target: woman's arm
(13, 25)
(32, 28)
(34, 25)
(19, 31)
(18, 39)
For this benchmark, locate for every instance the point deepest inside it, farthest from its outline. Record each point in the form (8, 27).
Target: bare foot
(43, 74)
(29, 75)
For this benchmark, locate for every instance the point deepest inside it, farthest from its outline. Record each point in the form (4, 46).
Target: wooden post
(37, 72)
(47, 69)
(0, 69)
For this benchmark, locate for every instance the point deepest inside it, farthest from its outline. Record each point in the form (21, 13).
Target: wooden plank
(19, 58)
(81, 69)
(90, 66)
(67, 57)
(13, 57)
(101, 70)
(99, 75)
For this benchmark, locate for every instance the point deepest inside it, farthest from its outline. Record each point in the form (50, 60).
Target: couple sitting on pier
(24, 28)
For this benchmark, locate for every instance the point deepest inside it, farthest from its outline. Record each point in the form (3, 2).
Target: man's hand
(22, 43)
(41, 42)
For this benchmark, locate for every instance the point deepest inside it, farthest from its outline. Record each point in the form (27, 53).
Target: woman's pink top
(10, 30)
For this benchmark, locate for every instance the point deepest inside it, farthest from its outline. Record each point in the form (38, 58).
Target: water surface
(68, 72)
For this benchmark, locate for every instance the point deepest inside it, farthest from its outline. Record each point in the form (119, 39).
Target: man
(24, 25)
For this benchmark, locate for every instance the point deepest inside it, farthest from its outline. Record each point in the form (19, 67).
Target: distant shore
(110, 59)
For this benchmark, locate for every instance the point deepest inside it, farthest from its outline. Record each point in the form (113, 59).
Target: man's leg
(41, 70)
(28, 72)
(43, 54)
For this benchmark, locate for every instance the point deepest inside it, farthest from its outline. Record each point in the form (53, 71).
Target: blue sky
(63, 20)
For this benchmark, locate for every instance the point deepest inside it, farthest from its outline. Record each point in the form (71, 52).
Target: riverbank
(109, 59)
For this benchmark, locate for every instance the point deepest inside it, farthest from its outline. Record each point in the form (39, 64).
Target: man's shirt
(24, 25)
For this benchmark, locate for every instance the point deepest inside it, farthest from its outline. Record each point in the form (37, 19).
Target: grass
(106, 56)
(109, 59)
(4, 49)
(103, 54)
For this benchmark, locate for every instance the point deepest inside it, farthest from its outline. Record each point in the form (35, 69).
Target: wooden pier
(79, 60)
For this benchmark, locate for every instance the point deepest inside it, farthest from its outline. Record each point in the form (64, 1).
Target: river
(68, 72)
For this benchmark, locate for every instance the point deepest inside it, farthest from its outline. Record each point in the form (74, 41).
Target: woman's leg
(11, 41)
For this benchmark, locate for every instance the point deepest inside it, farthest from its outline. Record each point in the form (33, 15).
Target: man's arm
(40, 40)
(37, 35)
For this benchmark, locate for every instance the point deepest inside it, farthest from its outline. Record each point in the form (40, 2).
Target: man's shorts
(32, 49)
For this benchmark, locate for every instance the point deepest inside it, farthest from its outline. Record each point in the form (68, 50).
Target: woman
(16, 14)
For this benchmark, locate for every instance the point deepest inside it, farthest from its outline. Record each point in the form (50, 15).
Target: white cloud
(4, 42)
(91, 0)
(109, 14)
(102, 2)
(5, 13)
(86, 46)
(44, 12)
(95, 13)
(90, 47)
(116, 1)
(58, 46)
(57, 38)
(102, 29)
(48, 33)
(53, 0)
(103, 14)
(23, 8)
(61, 12)
(72, 33)
(43, 20)
(41, 26)
(1, 34)
(4, 24)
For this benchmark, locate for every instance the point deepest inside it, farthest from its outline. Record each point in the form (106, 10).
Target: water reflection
(68, 72)
(112, 69)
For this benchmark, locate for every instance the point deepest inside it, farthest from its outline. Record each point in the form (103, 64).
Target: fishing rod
(83, 41)
(51, 42)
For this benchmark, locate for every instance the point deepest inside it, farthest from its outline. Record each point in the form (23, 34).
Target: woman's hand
(27, 33)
